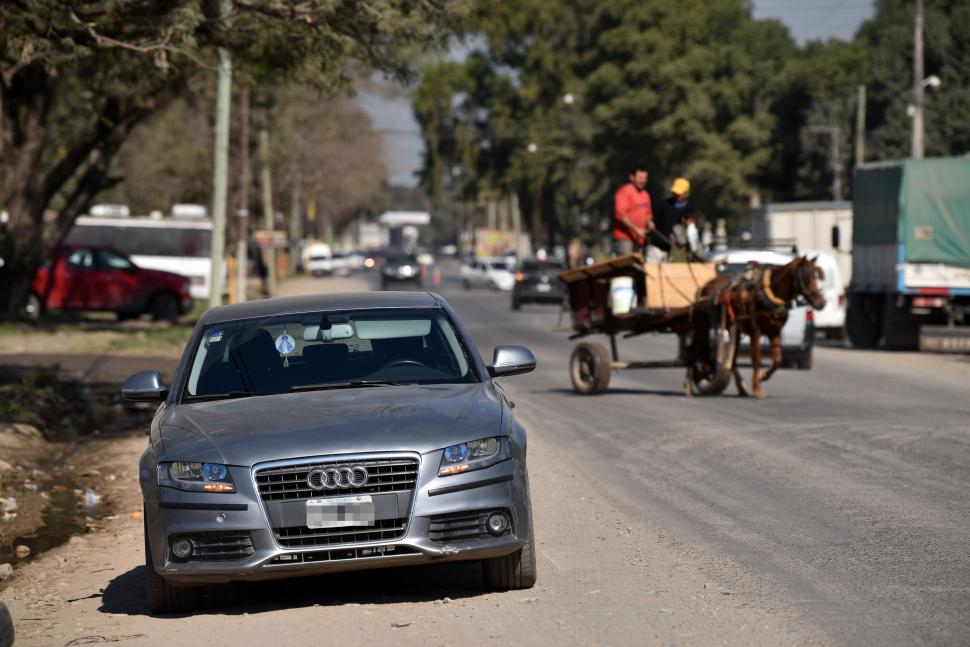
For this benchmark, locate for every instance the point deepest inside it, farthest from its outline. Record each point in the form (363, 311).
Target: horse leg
(756, 361)
(689, 360)
(739, 382)
(775, 356)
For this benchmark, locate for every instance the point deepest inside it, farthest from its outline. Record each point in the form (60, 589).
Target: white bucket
(623, 298)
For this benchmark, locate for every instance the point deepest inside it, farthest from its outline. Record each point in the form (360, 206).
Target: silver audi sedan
(328, 433)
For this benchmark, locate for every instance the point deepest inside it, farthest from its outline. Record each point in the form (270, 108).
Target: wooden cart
(665, 302)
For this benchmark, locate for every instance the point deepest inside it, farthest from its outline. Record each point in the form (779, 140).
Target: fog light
(182, 548)
(497, 523)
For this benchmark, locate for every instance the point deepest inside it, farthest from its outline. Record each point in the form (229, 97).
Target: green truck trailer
(911, 255)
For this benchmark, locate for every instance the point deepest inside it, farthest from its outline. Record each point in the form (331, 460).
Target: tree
(76, 78)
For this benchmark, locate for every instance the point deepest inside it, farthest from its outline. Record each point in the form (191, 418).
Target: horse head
(807, 276)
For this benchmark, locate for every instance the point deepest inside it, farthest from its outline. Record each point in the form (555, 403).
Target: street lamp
(568, 98)
(532, 147)
(932, 81)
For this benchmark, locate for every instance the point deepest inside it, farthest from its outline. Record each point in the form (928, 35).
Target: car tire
(589, 368)
(863, 325)
(514, 571)
(465, 283)
(34, 308)
(164, 306)
(163, 598)
(6, 627)
(805, 361)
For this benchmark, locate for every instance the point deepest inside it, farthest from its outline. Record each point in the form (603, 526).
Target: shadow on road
(678, 393)
(125, 594)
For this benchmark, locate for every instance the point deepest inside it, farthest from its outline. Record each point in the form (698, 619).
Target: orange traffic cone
(436, 276)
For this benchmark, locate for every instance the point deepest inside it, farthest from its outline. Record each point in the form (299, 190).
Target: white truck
(807, 226)
(911, 255)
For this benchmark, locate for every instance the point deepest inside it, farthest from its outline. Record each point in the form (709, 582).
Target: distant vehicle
(537, 282)
(318, 259)
(400, 268)
(496, 273)
(831, 318)
(821, 226)
(911, 255)
(798, 334)
(99, 278)
(167, 244)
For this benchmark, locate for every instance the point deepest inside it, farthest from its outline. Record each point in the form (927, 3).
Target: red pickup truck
(101, 278)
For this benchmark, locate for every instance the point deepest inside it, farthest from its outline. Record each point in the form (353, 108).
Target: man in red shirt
(633, 213)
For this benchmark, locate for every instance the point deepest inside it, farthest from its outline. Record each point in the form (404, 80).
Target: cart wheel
(711, 375)
(589, 368)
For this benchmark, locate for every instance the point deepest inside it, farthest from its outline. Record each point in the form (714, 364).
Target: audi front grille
(382, 530)
(290, 483)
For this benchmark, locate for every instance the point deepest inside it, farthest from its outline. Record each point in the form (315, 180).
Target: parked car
(496, 273)
(537, 282)
(319, 259)
(400, 268)
(798, 334)
(831, 318)
(100, 278)
(348, 445)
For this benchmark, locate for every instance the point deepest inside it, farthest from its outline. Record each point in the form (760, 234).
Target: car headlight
(474, 455)
(196, 477)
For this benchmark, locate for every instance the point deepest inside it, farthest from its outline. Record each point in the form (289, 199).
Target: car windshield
(534, 265)
(405, 259)
(322, 350)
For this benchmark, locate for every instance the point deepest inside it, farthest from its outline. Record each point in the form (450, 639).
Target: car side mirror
(511, 360)
(146, 386)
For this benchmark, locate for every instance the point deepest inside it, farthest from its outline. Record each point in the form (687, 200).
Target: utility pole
(835, 156)
(860, 128)
(918, 101)
(296, 223)
(220, 167)
(268, 212)
(245, 181)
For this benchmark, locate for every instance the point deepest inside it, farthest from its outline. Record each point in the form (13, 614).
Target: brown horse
(757, 303)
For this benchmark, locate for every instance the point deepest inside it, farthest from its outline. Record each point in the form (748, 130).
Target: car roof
(321, 302)
(762, 256)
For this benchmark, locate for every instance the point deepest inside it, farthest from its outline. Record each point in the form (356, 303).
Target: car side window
(111, 261)
(80, 259)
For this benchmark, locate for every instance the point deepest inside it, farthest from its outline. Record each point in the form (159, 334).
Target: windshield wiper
(347, 384)
(219, 396)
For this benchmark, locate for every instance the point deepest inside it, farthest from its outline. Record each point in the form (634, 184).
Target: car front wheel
(514, 571)
(164, 307)
(162, 596)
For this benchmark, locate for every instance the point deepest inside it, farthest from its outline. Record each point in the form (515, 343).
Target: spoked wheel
(589, 368)
(712, 374)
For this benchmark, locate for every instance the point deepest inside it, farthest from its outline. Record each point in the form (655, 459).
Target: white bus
(174, 245)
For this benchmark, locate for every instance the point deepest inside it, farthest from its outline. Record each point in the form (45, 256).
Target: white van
(831, 318)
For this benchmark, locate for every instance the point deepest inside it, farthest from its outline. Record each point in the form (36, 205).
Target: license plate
(543, 287)
(340, 511)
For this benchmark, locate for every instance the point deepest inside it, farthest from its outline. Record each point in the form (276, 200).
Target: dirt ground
(603, 579)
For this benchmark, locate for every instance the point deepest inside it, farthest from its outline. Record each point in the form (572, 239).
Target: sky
(390, 109)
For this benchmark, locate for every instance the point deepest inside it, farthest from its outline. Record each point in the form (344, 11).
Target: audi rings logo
(337, 478)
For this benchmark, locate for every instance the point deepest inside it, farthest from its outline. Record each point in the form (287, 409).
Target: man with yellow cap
(667, 217)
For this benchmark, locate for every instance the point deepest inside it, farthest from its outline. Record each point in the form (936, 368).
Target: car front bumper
(176, 513)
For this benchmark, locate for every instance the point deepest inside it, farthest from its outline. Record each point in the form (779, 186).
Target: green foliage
(78, 77)
(687, 87)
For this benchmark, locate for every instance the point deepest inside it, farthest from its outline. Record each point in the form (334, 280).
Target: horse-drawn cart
(662, 300)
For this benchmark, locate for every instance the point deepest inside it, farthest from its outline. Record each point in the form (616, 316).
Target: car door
(118, 283)
(73, 277)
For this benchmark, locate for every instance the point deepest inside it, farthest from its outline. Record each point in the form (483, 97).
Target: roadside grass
(97, 333)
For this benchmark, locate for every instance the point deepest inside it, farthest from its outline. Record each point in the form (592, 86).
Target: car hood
(274, 427)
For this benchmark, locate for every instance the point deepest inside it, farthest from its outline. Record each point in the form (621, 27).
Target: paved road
(844, 497)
